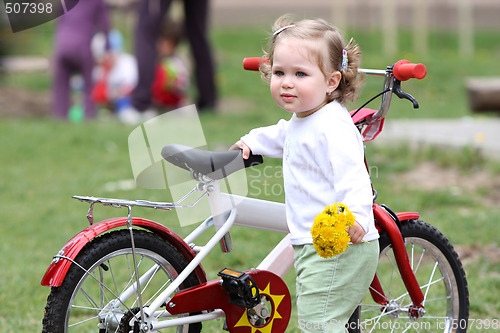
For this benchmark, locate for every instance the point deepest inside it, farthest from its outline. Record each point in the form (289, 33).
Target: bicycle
(129, 274)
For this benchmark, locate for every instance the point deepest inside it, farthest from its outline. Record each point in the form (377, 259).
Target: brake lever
(396, 89)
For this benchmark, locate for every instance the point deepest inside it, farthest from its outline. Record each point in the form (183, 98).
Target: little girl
(312, 73)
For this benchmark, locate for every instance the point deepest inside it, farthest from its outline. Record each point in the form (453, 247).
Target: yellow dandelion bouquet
(329, 230)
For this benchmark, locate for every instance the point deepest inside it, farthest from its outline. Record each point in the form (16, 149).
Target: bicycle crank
(255, 300)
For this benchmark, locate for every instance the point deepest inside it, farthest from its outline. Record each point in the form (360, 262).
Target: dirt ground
(22, 103)
(429, 176)
(469, 254)
(18, 103)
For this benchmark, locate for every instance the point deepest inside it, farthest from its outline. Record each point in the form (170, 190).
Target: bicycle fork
(388, 224)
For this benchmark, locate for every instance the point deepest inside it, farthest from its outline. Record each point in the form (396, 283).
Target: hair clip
(283, 28)
(345, 61)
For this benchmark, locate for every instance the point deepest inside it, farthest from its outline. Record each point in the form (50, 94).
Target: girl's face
(297, 83)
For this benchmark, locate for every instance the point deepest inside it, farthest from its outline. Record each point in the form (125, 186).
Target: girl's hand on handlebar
(240, 145)
(356, 233)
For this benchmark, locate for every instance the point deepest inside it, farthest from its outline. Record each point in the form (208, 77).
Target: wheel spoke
(437, 300)
(429, 283)
(146, 285)
(378, 292)
(419, 261)
(163, 287)
(91, 301)
(83, 321)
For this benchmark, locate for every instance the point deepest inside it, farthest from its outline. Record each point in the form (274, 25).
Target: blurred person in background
(73, 54)
(115, 73)
(151, 13)
(172, 76)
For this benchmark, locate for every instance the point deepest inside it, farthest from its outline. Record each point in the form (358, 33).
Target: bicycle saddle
(215, 165)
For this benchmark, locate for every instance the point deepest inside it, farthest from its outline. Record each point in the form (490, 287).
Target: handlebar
(402, 70)
(253, 63)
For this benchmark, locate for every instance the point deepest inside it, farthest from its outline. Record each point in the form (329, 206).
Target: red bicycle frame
(385, 222)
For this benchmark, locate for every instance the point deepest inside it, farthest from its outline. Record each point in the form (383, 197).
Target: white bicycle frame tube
(266, 215)
(165, 295)
(188, 320)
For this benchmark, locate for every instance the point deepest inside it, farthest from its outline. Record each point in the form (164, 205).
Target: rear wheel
(440, 275)
(87, 301)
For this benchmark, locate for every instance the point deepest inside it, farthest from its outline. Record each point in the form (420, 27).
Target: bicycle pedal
(241, 288)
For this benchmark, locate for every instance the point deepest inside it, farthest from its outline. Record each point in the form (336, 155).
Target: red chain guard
(210, 296)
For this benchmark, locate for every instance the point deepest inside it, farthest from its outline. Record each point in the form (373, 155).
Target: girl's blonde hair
(327, 51)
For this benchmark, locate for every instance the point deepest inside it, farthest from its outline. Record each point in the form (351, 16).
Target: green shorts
(329, 290)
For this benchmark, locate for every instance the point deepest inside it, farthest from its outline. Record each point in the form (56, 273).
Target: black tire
(77, 305)
(441, 277)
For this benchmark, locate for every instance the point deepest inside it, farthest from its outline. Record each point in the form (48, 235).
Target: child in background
(171, 77)
(116, 74)
(312, 73)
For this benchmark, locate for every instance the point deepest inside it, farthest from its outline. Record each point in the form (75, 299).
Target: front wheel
(92, 297)
(440, 275)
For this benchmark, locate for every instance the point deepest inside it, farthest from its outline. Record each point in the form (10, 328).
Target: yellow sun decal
(276, 300)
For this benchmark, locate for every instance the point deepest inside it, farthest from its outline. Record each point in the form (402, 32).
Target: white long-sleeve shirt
(323, 163)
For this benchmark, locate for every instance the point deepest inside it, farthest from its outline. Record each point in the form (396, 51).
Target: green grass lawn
(44, 162)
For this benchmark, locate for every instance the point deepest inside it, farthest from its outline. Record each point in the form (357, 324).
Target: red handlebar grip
(253, 63)
(404, 70)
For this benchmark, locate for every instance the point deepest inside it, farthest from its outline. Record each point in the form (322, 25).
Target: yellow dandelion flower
(329, 230)
(343, 241)
(322, 219)
(328, 233)
(350, 218)
(315, 232)
(327, 253)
